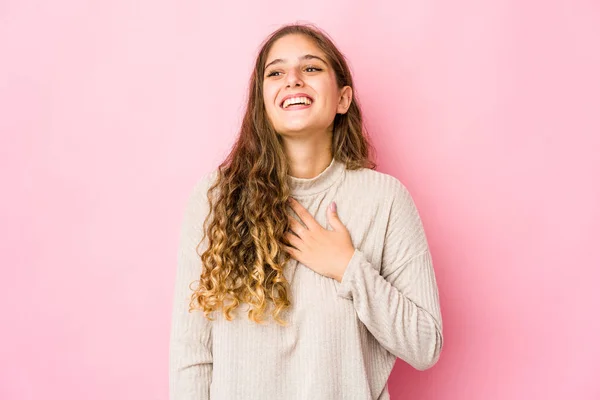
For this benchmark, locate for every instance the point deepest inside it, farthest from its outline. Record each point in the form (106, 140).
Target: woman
(349, 289)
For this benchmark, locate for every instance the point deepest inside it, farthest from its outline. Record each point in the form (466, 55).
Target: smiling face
(300, 89)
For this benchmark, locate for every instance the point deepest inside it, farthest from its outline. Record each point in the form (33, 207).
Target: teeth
(296, 100)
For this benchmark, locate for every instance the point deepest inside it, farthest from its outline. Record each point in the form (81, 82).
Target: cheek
(269, 104)
(269, 97)
(329, 94)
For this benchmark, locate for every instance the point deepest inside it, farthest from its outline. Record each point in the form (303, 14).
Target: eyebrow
(304, 57)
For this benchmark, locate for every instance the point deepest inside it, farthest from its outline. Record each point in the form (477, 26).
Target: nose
(293, 78)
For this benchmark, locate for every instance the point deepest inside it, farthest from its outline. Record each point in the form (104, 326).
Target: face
(296, 69)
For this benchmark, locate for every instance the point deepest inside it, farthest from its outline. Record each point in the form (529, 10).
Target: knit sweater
(343, 338)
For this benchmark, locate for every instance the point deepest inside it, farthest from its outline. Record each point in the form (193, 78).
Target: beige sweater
(343, 337)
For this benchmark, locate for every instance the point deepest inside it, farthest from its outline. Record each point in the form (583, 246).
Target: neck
(308, 157)
(328, 177)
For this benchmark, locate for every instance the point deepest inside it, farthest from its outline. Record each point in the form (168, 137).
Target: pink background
(111, 110)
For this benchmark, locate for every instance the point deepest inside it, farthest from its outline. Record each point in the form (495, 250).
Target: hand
(325, 252)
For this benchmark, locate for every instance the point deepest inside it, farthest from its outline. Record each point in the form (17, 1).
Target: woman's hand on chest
(325, 252)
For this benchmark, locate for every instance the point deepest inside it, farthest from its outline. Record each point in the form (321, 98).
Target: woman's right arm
(190, 346)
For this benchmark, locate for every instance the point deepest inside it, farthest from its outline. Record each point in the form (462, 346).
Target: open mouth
(296, 103)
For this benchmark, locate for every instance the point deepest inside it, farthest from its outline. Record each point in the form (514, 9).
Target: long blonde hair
(244, 260)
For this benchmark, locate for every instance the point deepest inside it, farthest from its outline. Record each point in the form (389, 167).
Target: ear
(345, 100)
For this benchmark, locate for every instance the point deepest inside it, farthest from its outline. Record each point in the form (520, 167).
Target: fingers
(293, 240)
(293, 252)
(303, 213)
(296, 226)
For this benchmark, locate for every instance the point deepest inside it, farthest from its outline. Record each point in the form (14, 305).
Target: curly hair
(244, 260)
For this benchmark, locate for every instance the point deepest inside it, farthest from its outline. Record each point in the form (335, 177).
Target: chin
(299, 128)
(292, 129)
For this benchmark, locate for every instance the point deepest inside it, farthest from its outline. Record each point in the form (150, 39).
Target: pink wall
(110, 110)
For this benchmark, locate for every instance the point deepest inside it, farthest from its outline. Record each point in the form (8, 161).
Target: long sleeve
(400, 304)
(190, 347)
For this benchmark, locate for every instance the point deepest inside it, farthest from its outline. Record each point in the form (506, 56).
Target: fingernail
(333, 207)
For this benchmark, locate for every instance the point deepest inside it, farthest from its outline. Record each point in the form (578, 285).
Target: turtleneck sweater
(342, 338)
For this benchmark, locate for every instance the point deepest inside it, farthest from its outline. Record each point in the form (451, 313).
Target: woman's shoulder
(202, 184)
(197, 204)
(376, 182)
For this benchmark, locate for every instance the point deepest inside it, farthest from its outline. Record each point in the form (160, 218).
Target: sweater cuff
(345, 287)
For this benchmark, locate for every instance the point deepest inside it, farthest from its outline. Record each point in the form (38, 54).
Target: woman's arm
(400, 304)
(190, 348)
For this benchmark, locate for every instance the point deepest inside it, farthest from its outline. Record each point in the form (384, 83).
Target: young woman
(349, 289)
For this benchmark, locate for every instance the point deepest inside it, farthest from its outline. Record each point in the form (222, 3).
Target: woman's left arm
(399, 305)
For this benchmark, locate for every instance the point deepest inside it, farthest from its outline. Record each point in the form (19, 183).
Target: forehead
(292, 46)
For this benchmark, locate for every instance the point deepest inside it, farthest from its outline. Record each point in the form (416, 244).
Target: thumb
(333, 218)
